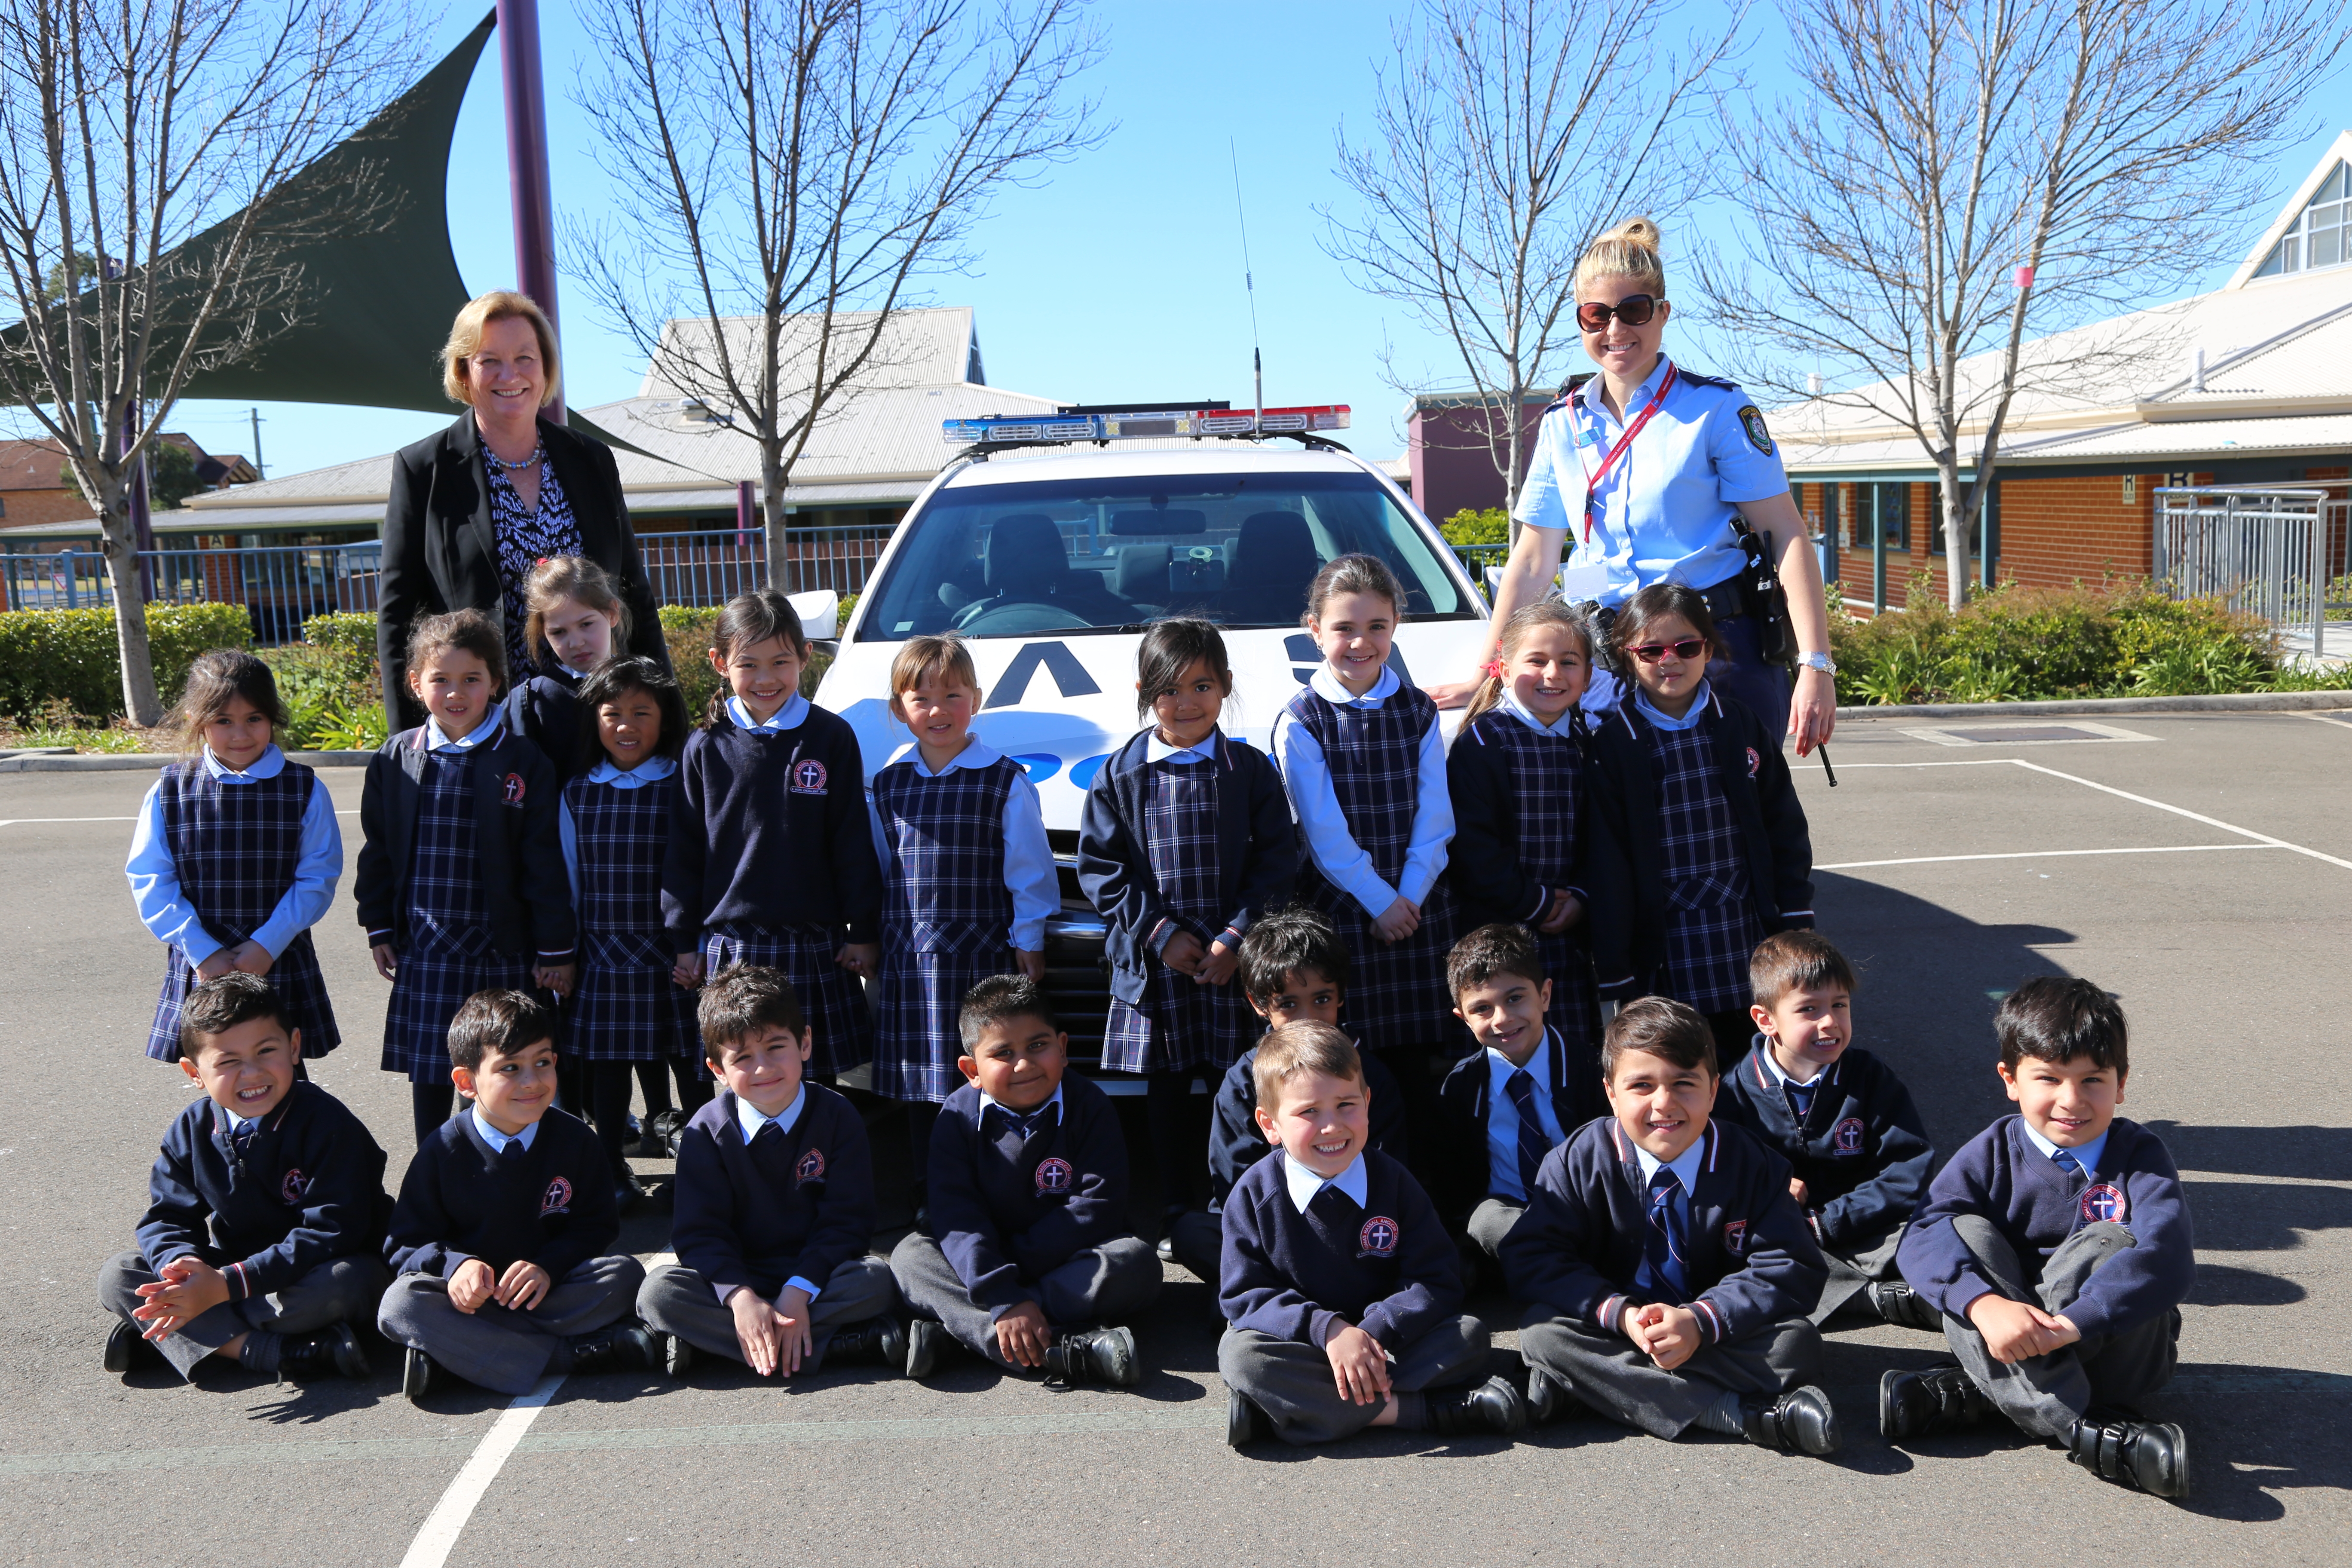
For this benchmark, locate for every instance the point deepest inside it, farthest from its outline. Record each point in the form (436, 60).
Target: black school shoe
(624, 1346)
(1896, 1302)
(421, 1377)
(1494, 1406)
(1244, 1423)
(677, 1356)
(927, 1346)
(2148, 1456)
(1929, 1403)
(876, 1342)
(333, 1351)
(1550, 1398)
(1093, 1355)
(1801, 1421)
(627, 1192)
(666, 1131)
(127, 1348)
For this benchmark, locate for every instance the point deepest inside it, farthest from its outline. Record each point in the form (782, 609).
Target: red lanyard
(1592, 481)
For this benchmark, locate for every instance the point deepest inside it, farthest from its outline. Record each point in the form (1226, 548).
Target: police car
(1051, 543)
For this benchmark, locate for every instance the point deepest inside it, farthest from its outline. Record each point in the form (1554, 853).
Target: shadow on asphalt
(2314, 1153)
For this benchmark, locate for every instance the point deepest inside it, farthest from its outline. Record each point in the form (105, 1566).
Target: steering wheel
(1011, 617)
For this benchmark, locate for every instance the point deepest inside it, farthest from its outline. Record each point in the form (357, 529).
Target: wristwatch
(1820, 661)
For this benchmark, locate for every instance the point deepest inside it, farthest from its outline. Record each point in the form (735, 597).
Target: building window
(2320, 235)
(1890, 515)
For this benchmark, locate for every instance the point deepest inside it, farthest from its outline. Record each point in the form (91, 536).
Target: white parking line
(2042, 855)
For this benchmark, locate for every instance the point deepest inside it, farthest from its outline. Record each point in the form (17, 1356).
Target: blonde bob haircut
(465, 340)
(1629, 250)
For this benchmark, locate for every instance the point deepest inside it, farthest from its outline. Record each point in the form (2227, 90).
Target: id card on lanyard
(1593, 480)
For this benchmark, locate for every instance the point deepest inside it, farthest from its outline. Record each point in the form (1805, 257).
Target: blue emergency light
(1144, 421)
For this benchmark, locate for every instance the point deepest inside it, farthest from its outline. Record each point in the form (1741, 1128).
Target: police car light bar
(1142, 423)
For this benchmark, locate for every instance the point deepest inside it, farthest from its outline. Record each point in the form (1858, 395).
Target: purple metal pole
(534, 209)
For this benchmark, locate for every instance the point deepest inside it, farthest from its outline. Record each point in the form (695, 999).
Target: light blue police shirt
(1662, 514)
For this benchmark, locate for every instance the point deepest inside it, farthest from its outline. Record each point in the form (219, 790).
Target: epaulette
(1697, 380)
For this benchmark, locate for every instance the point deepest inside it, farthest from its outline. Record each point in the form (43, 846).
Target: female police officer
(1647, 464)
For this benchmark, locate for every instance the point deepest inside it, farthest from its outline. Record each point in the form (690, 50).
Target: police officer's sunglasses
(1633, 310)
(1651, 652)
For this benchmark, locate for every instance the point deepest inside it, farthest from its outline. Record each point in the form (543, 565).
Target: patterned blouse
(525, 539)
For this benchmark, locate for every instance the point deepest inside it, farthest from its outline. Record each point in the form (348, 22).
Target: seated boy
(1035, 1266)
(1838, 1115)
(498, 1238)
(2056, 1245)
(1340, 1283)
(1293, 968)
(1670, 1269)
(1506, 1107)
(264, 1209)
(775, 1203)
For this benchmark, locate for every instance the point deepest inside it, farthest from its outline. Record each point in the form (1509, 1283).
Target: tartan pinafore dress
(1396, 993)
(1548, 787)
(449, 954)
(236, 848)
(1178, 1025)
(1711, 924)
(947, 916)
(625, 1008)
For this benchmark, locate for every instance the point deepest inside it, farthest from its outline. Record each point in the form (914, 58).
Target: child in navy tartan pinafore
(969, 877)
(1186, 840)
(628, 1008)
(1364, 764)
(1517, 776)
(236, 854)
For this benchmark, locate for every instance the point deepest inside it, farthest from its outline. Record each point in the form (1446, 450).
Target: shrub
(69, 656)
(1489, 526)
(2029, 644)
(352, 633)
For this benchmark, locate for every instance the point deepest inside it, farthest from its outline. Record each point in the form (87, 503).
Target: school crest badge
(1755, 763)
(1378, 1238)
(558, 1198)
(808, 776)
(1055, 1178)
(2104, 1200)
(290, 1189)
(514, 788)
(1734, 1237)
(1847, 1138)
(810, 1169)
(1751, 420)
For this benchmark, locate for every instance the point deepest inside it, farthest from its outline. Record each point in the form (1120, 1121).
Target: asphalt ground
(1950, 868)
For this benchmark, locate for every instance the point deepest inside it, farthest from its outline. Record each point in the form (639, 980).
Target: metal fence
(2269, 552)
(283, 585)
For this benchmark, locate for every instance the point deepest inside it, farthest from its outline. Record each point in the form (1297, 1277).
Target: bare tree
(2112, 148)
(1506, 135)
(146, 146)
(788, 172)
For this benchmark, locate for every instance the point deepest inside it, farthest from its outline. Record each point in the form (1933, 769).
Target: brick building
(1451, 457)
(2249, 385)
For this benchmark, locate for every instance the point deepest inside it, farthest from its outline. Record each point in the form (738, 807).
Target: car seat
(1274, 563)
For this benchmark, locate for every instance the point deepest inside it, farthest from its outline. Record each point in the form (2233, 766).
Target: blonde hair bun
(1640, 231)
(1628, 250)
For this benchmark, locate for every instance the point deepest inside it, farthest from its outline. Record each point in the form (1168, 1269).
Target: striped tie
(1533, 1144)
(1667, 1243)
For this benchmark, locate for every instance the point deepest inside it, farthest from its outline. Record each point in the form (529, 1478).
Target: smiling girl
(1186, 841)
(236, 854)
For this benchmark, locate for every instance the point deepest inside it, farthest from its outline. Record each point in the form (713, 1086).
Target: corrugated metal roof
(918, 348)
(2329, 433)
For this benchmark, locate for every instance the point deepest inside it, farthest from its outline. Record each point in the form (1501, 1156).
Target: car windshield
(1079, 555)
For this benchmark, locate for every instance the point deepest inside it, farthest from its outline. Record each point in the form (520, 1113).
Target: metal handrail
(2265, 550)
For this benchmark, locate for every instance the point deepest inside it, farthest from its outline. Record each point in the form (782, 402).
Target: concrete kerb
(52, 760)
(2085, 707)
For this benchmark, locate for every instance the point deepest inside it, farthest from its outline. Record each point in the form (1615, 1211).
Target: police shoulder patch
(1751, 420)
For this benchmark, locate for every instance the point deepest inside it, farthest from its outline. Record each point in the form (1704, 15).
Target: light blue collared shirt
(1563, 726)
(1156, 750)
(1337, 854)
(1503, 1119)
(496, 1140)
(648, 772)
(1304, 1184)
(156, 880)
(1029, 874)
(748, 1117)
(1662, 514)
(1701, 701)
(1686, 1166)
(790, 716)
(2088, 1154)
(436, 738)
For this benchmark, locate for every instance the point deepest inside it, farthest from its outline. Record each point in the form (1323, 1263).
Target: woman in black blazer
(473, 508)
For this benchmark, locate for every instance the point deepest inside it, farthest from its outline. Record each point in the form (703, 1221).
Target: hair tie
(1493, 666)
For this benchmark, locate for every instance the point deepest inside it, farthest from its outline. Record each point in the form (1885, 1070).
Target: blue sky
(1120, 278)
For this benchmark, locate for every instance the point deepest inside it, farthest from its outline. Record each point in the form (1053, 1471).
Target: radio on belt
(1084, 422)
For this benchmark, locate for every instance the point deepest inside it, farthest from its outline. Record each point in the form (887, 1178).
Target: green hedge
(69, 656)
(2031, 644)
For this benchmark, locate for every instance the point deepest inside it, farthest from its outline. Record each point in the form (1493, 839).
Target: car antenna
(1249, 287)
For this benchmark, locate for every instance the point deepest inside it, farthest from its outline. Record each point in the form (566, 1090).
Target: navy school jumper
(1753, 1260)
(2000, 1176)
(1863, 1151)
(1389, 1267)
(1464, 1100)
(546, 709)
(1627, 865)
(308, 1190)
(1005, 1218)
(799, 1202)
(553, 1207)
